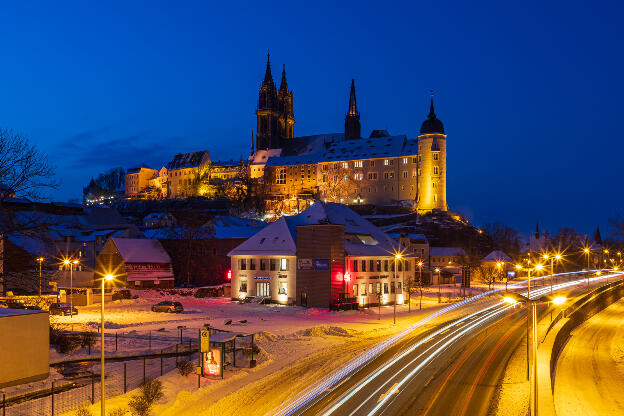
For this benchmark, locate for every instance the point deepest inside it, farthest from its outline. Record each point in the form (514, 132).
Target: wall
(430, 197)
(25, 354)
(321, 287)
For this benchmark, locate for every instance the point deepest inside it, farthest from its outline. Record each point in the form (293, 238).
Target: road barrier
(558, 333)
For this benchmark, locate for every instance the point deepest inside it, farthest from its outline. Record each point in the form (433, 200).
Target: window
(358, 164)
(386, 287)
(370, 288)
(405, 175)
(414, 174)
(355, 289)
(378, 288)
(263, 264)
(372, 163)
(252, 264)
(399, 286)
(243, 264)
(385, 265)
(358, 176)
(372, 176)
(325, 167)
(363, 265)
(436, 155)
(405, 160)
(281, 176)
(386, 162)
(346, 178)
(407, 266)
(414, 160)
(282, 290)
(355, 266)
(243, 286)
(392, 287)
(433, 184)
(345, 165)
(371, 265)
(272, 264)
(436, 170)
(283, 264)
(363, 289)
(386, 175)
(378, 265)
(391, 175)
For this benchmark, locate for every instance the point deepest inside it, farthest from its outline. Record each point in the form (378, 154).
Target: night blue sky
(530, 93)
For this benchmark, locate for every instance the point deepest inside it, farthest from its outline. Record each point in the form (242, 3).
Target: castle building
(345, 167)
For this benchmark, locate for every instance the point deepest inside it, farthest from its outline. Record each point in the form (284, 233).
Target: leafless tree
(338, 184)
(486, 274)
(504, 238)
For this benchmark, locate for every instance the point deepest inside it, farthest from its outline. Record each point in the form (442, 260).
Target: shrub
(87, 339)
(66, 342)
(120, 411)
(83, 411)
(139, 406)
(185, 367)
(152, 390)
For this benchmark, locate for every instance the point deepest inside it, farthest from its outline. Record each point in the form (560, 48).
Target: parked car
(3, 304)
(168, 306)
(19, 304)
(60, 308)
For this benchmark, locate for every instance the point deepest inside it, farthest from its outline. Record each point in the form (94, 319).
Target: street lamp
(420, 264)
(40, 260)
(108, 277)
(397, 256)
(587, 251)
(514, 298)
(437, 269)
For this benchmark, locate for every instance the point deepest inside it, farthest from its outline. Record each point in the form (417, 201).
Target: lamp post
(498, 266)
(420, 264)
(397, 256)
(514, 298)
(437, 269)
(587, 251)
(108, 277)
(40, 260)
(528, 269)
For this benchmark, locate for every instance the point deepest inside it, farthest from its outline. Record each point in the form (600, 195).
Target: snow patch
(323, 330)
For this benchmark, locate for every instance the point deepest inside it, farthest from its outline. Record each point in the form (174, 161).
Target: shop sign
(304, 264)
(262, 277)
(321, 264)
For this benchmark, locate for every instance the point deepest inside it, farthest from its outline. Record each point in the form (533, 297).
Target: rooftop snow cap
(432, 124)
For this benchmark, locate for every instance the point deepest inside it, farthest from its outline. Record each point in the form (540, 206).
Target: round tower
(431, 164)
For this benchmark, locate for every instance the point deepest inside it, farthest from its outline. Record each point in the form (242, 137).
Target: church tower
(285, 108)
(267, 114)
(352, 119)
(432, 164)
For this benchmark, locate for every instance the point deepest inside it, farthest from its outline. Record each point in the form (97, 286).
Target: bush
(87, 339)
(120, 411)
(152, 390)
(139, 406)
(185, 367)
(83, 411)
(66, 342)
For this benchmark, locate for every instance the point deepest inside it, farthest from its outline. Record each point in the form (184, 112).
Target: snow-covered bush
(151, 391)
(65, 342)
(83, 411)
(185, 367)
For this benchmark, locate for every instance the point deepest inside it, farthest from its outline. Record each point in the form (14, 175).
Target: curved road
(587, 381)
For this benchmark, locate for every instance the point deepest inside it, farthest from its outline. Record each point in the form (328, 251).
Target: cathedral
(344, 167)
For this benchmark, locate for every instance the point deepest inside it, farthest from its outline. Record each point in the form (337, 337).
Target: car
(168, 306)
(3, 305)
(19, 304)
(60, 308)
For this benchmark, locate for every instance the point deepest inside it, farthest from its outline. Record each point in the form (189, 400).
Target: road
(588, 380)
(452, 369)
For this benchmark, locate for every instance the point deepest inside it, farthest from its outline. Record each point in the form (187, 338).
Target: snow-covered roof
(189, 160)
(261, 156)
(361, 237)
(446, 251)
(497, 255)
(328, 148)
(141, 250)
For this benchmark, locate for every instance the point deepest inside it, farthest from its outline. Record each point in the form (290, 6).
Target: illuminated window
(345, 165)
(358, 163)
(355, 290)
(243, 286)
(378, 288)
(414, 174)
(433, 184)
(281, 176)
(358, 176)
(282, 288)
(283, 264)
(370, 288)
(405, 160)
(346, 178)
(386, 162)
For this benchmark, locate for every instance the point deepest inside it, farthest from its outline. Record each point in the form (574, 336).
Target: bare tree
(24, 170)
(486, 274)
(338, 184)
(504, 238)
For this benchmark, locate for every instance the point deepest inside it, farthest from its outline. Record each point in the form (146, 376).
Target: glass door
(263, 289)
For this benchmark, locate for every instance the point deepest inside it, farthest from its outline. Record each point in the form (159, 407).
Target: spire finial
(283, 84)
(431, 112)
(268, 78)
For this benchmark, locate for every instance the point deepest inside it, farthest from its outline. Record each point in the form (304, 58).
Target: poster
(212, 362)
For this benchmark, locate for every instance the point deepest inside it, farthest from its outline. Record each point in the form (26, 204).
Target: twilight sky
(530, 93)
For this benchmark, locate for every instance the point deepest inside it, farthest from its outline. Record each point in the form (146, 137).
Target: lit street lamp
(514, 298)
(71, 284)
(587, 251)
(552, 267)
(108, 277)
(397, 256)
(40, 260)
(420, 264)
(437, 269)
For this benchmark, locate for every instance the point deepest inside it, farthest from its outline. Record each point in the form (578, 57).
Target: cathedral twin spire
(352, 120)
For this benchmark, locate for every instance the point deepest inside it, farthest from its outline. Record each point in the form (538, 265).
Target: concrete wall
(24, 355)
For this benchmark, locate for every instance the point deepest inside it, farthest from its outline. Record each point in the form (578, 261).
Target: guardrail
(559, 331)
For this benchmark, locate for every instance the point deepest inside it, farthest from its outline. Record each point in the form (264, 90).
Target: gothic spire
(597, 236)
(284, 84)
(268, 78)
(352, 104)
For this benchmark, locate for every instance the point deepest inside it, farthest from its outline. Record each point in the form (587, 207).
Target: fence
(82, 387)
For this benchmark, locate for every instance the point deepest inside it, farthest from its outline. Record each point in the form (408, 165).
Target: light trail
(325, 385)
